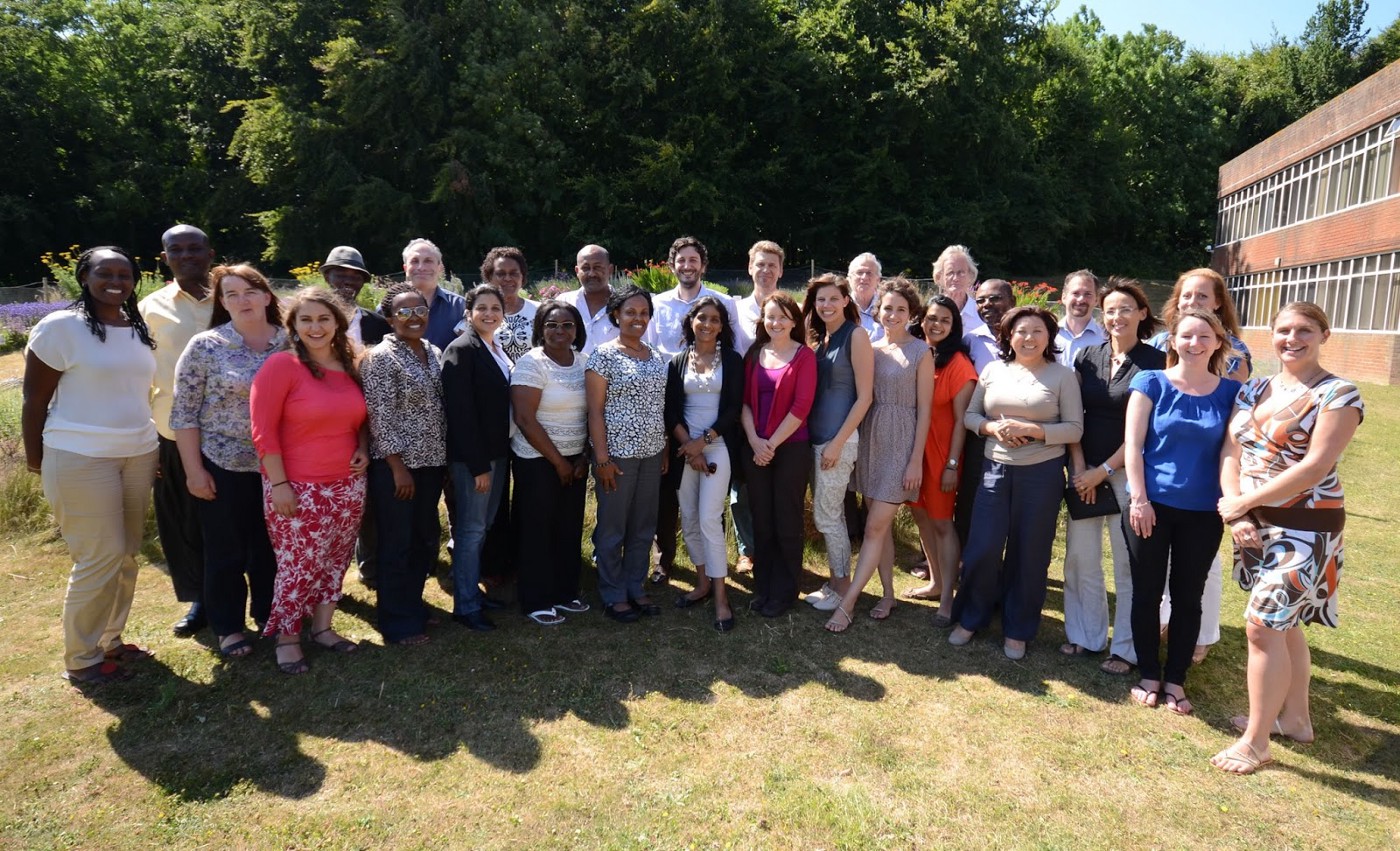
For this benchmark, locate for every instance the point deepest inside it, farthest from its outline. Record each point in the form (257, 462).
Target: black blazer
(727, 425)
(476, 397)
(373, 328)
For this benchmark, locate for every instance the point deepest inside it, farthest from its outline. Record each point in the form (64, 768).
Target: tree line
(284, 127)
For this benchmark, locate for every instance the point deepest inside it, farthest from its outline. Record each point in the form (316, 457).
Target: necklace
(704, 370)
(1295, 389)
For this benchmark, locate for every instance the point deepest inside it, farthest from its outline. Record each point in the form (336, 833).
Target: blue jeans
(999, 566)
(626, 523)
(475, 511)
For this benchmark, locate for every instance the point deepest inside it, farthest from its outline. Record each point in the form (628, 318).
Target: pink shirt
(313, 423)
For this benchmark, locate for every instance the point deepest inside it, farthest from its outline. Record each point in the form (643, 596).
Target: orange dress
(948, 380)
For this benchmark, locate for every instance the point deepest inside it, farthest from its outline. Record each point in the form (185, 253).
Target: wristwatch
(709, 437)
(1107, 470)
(952, 464)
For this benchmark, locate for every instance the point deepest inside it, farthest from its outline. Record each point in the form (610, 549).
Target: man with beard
(688, 259)
(174, 314)
(345, 273)
(594, 270)
(1078, 330)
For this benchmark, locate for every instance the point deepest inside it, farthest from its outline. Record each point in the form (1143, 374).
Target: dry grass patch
(665, 734)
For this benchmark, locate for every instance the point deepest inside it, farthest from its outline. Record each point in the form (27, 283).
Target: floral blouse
(635, 408)
(212, 380)
(404, 397)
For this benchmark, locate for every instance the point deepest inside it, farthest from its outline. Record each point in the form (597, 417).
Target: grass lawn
(665, 734)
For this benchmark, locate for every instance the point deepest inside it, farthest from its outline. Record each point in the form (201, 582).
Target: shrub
(1039, 295)
(16, 320)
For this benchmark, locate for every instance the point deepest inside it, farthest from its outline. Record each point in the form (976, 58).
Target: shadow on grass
(486, 694)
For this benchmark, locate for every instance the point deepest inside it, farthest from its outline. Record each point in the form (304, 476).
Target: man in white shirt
(955, 273)
(766, 269)
(594, 269)
(688, 260)
(994, 297)
(864, 277)
(1078, 330)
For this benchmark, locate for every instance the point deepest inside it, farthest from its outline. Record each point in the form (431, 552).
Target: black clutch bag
(1105, 503)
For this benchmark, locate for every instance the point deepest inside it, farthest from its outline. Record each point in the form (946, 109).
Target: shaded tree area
(833, 126)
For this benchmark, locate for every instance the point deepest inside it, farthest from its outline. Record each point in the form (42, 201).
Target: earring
(296, 338)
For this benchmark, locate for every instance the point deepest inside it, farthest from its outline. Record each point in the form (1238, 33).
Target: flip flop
(882, 609)
(1180, 705)
(127, 653)
(546, 617)
(1117, 666)
(1240, 754)
(1143, 696)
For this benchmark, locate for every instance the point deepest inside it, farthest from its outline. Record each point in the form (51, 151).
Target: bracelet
(275, 484)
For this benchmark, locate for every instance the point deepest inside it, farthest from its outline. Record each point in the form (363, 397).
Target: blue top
(836, 385)
(444, 313)
(1181, 453)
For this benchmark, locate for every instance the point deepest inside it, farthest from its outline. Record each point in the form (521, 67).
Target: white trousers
(1086, 597)
(702, 498)
(829, 504)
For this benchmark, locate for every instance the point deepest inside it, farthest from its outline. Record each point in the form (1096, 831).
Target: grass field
(665, 734)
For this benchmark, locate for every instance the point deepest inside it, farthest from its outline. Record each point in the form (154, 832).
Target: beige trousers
(100, 505)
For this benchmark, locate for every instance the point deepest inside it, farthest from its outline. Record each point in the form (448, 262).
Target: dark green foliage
(284, 127)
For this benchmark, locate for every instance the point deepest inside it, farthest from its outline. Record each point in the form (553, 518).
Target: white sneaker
(829, 603)
(819, 595)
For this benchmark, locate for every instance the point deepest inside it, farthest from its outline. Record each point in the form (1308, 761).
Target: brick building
(1313, 213)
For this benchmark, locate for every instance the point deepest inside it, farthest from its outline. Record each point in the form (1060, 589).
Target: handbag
(1105, 503)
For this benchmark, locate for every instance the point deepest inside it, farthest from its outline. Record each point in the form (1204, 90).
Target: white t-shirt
(563, 411)
(102, 405)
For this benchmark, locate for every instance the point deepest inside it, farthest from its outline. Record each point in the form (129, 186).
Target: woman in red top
(308, 415)
(780, 383)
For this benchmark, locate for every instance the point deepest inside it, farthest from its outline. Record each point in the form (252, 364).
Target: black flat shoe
(757, 603)
(774, 608)
(685, 601)
(191, 624)
(646, 610)
(724, 625)
(628, 615)
(475, 621)
(491, 604)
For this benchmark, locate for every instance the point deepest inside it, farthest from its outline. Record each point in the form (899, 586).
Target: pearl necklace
(704, 371)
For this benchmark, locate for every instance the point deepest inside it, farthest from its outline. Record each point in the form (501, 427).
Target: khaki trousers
(100, 505)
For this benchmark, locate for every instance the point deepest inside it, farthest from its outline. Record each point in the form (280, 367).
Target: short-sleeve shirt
(516, 331)
(634, 411)
(563, 410)
(101, 407)
(173, 317)
(1271, 448)
(212, 383)
(1181, 452)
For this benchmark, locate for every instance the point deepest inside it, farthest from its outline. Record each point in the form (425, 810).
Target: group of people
(279, 433)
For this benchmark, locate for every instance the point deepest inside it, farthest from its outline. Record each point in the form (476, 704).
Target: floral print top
(404, 397)
(212, 380)
(634, 411)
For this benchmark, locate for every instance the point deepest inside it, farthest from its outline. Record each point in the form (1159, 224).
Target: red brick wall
(1372, 229)
(1368, 102)
(1357, 355)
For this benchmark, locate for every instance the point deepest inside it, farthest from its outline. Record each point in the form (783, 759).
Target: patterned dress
(887, 433)
(1294, 577)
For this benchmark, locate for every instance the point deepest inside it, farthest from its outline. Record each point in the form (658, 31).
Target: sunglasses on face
(405, 312)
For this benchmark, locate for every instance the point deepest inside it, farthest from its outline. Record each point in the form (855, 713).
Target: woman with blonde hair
(308, 420)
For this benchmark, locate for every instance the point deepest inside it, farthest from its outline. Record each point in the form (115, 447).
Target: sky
(1219, 26)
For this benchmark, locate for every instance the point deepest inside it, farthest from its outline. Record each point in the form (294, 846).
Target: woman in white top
(88, 432)
(551, 470)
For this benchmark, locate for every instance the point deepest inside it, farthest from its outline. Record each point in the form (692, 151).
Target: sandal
(835, 625)
(1117, 666)
(127, 653)
(340, 645)
(237, 650)
(924, 593)
(546, 617)
(294, 667)
(1240, 723)
(1072, 649)
(1178, 703)
(882, 609)
(942, 621)
(574, 606)
(1144, 696)
(1240, 758)
(100, 674)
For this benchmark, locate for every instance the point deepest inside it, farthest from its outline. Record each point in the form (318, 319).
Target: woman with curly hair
(308, 415)
(87, 431)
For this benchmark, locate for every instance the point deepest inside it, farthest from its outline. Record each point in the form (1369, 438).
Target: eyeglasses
(405, 312)
(559, 326)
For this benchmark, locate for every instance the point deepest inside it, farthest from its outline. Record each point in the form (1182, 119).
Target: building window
(1361, 294)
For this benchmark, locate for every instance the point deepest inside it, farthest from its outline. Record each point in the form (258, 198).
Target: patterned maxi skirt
(313, 547)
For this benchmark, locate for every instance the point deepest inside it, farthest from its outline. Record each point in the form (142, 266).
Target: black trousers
(408, 540)
(1186, 541)
(548, 553)
(776, 494)
(668, 514)
(974, 449)
(177, 522)
(238, 558)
